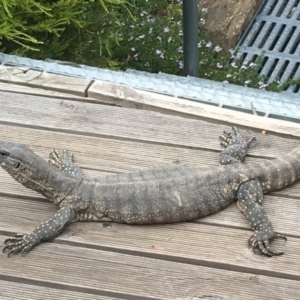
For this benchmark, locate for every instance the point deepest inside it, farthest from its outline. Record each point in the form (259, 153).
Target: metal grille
(276, 31)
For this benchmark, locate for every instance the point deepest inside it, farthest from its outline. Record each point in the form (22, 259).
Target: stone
(227, 20)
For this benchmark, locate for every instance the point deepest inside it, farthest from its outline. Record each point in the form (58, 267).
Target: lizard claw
(19, 243)
(60, 160)
(234, 138)
(262, 243)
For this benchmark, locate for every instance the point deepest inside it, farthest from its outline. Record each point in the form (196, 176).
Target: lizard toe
(262, 243)
(17, 244)
(279, 236)
(263, 249)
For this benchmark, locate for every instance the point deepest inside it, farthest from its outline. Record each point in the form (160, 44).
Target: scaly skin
(164, 194)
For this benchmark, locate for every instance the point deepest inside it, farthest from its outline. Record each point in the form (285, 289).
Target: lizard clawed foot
(260, 241)
(20, 243)
(64, 161)
(61, 159)
(234, 138)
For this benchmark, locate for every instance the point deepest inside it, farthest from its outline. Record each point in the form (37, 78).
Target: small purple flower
(166, 29)
(202, 21)
(217, 48)
(142, 36)
(158, 52)
(233, 64)
(247, 82)
(159, 38)
(133, 49)
(231, 51)
(219, 66)
(262, 85)
(199, 45)
(180, 64)
(169, 39)
(204, 10)
(180, 49)
(209, 44)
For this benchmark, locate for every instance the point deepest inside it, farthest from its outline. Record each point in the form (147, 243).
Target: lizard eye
(4, 153)
(18, 164)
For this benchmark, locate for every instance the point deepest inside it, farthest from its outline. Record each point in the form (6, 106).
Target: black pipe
(190, 37)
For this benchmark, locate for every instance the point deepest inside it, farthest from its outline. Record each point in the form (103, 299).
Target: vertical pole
(190, 37)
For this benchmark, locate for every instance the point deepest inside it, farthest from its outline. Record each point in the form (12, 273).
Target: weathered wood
(10, 290)
(133, 98)
(201, 244)
(121, 123)
(23, 89)
(205, 259)
(25, 76)
(121, 274)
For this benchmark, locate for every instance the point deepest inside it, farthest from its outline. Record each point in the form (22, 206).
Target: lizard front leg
(236, 147)
(250, 197)
(46, 231)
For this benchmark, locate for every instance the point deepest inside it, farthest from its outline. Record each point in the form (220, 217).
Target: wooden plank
(121, 274)
(201, 244)
(25, 76)
(10, 290)
(133, 98)
(23, 89)
(121, 123)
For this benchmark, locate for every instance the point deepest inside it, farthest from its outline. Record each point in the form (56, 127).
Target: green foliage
(61, 29)
(153, 43)
(141, 34)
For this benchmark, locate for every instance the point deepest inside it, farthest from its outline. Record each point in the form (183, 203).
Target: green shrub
(61, 29)
(141, 34)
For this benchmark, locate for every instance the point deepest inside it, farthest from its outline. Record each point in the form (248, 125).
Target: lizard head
(19, 161)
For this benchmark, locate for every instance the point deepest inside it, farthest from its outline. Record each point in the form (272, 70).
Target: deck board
(199, 243)
(207, 258)
(117, 273)
(19, 291)
(123, 123)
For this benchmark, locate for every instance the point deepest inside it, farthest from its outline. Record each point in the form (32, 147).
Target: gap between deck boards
(73, 288)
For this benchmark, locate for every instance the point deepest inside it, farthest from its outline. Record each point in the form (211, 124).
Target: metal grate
(275, 30)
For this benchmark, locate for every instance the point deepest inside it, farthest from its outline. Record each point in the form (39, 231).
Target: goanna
(158, 195)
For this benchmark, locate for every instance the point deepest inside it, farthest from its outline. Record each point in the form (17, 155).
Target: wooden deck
(205, 259)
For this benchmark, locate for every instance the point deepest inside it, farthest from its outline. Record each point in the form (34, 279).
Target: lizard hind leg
(64, 161)
(250, 196)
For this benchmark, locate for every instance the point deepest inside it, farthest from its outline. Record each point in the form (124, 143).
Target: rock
(227, 20)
